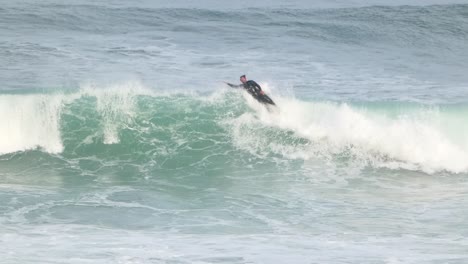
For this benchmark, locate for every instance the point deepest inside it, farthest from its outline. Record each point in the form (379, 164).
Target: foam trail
(410, 141)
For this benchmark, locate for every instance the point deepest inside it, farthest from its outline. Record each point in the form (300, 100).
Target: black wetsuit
(255, 90)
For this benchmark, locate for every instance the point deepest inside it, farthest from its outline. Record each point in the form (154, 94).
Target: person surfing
(253, 89)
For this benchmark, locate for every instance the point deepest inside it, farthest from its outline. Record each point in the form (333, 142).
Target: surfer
(253, 89)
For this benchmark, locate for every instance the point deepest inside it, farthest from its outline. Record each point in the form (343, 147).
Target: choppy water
(120, 144)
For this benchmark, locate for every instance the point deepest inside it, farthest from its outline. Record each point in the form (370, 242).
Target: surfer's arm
(234, 85)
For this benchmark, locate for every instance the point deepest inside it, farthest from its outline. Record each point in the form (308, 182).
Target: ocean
(121, 143)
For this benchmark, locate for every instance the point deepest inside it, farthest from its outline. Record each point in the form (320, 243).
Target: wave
(127, 121)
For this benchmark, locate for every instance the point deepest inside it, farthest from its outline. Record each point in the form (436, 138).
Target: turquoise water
(121, 144)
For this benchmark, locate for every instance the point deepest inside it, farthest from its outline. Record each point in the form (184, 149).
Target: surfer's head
(243, 79)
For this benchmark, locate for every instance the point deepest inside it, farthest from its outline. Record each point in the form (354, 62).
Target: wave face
(126, 122)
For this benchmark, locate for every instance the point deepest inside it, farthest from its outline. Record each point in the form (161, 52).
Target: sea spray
(29, 122)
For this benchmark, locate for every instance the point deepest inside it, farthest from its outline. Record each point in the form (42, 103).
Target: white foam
(30, 122)
(411, 142)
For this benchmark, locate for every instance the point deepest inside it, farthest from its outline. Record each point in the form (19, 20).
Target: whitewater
(120, 142)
